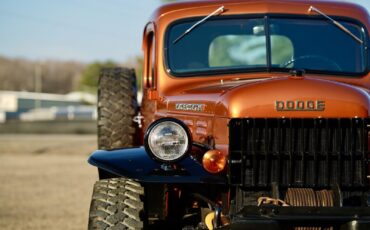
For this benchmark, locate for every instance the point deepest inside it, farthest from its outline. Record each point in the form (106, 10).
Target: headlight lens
(167, 140)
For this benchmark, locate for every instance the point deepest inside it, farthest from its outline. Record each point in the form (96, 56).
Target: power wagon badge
(190, 107)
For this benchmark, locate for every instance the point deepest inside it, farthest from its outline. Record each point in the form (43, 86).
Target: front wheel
(117, 204)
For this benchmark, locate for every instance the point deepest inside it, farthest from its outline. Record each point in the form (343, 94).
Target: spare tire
(117, 106)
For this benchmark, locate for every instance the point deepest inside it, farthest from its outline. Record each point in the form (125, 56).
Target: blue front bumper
(136, 164)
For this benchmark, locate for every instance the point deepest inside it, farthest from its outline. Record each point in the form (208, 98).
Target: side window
(237, 50)
(282, 50)
(248, 50)
(149, 72)
(152, 62)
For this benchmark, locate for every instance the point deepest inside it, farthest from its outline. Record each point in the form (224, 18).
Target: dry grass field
(45, 181)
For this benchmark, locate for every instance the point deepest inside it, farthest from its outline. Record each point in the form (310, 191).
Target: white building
(14, 103)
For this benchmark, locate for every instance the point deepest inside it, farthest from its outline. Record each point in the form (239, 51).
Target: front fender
(136, 164)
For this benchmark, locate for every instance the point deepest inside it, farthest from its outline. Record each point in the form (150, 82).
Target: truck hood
(273, 97)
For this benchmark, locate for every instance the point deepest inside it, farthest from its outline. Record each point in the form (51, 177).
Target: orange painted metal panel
(228, 96)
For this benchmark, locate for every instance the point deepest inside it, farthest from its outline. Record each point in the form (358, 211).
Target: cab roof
(183, 9)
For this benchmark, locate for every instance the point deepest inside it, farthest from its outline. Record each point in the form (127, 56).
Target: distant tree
(90, 75)
(136, 63)
(60, 77)
(139, 71)
(166, 1)
(55, 76)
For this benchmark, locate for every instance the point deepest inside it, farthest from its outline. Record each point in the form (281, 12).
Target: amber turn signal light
(214, 161)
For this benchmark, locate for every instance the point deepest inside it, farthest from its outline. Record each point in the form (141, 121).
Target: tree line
(52, 76)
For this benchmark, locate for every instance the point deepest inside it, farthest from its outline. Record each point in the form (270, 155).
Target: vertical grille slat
(298, 152)
(236, 138)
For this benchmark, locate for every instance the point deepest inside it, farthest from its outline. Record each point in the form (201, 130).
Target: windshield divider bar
(268, 44)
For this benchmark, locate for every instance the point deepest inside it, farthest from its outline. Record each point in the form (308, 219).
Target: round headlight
(167, 139)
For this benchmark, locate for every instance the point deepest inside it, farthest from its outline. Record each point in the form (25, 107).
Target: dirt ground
(45, 181)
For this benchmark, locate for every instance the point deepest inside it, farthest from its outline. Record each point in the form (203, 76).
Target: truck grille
(314, 153)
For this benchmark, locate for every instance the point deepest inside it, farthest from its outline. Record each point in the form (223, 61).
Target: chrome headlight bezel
(157, 125)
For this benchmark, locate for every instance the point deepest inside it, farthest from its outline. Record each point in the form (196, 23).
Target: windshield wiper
(216, 12)
(340, 26)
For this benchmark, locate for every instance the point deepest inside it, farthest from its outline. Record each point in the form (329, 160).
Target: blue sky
(83, 30)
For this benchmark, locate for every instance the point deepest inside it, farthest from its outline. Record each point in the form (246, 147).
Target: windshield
(227, 45)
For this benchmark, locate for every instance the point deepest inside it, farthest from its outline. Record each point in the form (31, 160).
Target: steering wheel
(318, 59)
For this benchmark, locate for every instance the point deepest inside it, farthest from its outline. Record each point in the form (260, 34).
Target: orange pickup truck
(254, 115)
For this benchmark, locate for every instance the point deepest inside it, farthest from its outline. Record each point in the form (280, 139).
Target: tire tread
(117, 106)
(112, 209)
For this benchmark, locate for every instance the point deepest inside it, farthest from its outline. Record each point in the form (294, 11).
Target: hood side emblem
(300, 105)
(190, 107)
